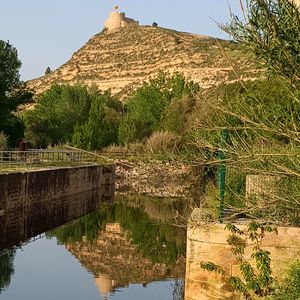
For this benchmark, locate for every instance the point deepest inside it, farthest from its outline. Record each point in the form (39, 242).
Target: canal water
(131, 249)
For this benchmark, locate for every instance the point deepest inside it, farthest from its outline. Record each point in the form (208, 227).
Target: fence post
(222, 172)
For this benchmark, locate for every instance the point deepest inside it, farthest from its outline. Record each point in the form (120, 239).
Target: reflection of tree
(6, 267)
(160, 242)
(178, 290)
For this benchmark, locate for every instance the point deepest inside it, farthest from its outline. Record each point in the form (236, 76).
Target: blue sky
(47, 32)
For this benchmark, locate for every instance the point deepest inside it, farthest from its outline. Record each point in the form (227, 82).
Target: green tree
(12, 93)
(144, 111)
(271, 29)
(101, 127)
(57, 112)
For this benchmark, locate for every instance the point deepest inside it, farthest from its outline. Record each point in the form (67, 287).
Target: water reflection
(128, 245)
(6, 267)
(123, 245)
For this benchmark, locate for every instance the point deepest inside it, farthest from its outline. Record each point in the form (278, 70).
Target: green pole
(222, 173)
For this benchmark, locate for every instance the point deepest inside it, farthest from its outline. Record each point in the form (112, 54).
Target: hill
(121, 60)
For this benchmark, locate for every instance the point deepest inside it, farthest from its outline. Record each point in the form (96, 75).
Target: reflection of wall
(37, 201)
(208, 243)
(116, 262)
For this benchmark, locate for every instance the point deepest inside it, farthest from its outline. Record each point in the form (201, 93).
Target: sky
(47, 32)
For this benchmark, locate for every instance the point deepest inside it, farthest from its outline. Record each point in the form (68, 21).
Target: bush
(163, 141)
(289, 289)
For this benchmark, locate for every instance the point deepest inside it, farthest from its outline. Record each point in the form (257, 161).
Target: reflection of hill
(116, 262)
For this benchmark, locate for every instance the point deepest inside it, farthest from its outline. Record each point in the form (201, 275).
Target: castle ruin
(118, 20)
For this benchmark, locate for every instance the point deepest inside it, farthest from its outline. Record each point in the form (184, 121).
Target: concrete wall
(34, 202)
(208, 243)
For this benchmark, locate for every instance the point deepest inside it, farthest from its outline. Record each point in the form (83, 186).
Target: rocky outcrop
(155, 179)
(121, 60)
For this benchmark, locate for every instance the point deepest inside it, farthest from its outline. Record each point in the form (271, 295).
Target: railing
(10, 159)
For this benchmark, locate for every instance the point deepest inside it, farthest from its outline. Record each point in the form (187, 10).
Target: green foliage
(9, 68)
(6, 267)
(12, 93)
(73, 113)
(289, 288)
(263, 119)
(255, 282)
(146, 109)
(155, 241)
(271, 30)
(56, 113)
(101, 128)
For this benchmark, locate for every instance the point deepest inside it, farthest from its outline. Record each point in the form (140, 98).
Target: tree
(271, 30)
(145, 110)
(56, 114)
(101, 127)
(48, 71)
(66, 114)
(12, 93)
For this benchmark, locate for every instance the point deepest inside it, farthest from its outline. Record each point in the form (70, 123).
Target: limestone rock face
(121, 60)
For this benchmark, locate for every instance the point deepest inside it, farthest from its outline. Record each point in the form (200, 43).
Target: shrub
(289, 289)
(163, 141)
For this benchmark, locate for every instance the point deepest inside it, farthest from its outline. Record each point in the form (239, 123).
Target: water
(127, 250)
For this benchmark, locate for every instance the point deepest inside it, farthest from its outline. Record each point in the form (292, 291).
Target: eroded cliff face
(122, 60)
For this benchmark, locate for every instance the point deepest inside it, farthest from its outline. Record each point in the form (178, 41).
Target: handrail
(43, 157)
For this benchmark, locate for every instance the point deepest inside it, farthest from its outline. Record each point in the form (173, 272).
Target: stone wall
(34, 202)
(208, 243)
(118, 20)
(116, 262)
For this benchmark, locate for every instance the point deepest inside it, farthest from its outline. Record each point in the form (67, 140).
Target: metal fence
(9, 159)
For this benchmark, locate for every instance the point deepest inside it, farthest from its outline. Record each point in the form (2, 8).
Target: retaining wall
(208, 243)
(34, 202)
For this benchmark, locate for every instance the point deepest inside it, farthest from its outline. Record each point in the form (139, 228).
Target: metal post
(222, 173)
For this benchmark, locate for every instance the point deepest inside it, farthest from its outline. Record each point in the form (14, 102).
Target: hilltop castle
(118, 20)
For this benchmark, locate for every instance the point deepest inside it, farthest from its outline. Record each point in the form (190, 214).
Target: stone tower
(118, 20)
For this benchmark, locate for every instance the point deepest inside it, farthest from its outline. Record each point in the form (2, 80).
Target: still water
(126, 250)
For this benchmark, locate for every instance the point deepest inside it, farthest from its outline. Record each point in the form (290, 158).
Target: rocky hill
(122, 59)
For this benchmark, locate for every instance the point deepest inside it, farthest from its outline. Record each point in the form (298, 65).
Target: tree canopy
(12, 92)
(271, 29)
